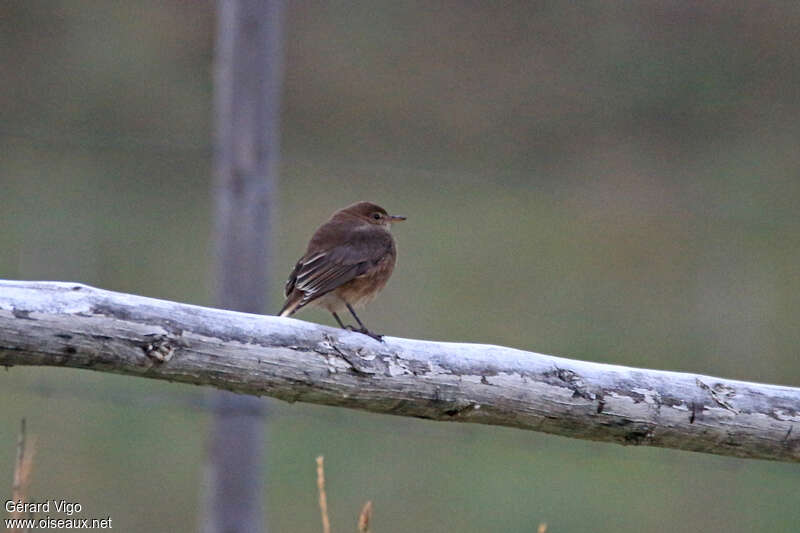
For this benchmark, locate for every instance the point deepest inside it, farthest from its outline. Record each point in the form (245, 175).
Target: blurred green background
(610, 181)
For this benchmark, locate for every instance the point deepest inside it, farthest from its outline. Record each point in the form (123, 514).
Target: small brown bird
(347, 263)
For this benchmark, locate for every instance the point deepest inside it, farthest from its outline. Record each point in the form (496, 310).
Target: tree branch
(73, 325)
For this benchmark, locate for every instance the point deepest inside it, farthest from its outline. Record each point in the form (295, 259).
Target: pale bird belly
(331, 301)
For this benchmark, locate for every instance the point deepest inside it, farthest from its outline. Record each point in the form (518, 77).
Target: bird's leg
(339, 320)
(363, 329)
(352, 312)
(341, 324)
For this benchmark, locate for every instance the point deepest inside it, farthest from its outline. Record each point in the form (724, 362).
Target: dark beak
(396, 218)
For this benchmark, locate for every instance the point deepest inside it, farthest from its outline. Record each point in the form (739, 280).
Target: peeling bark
(73, 325)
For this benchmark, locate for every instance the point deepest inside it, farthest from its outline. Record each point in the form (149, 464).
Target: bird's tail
(291, 305)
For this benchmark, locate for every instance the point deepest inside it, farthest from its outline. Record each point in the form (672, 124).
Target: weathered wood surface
(73, 325)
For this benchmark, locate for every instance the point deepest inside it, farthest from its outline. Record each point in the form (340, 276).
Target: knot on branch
(720, 393)
(573, 381)
(160, 349)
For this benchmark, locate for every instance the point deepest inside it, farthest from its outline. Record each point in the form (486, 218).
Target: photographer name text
(22, 513)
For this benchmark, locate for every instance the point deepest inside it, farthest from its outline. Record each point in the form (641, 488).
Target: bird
(347, 263)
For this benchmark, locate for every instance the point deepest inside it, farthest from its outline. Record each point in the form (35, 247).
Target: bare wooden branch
(72, 325)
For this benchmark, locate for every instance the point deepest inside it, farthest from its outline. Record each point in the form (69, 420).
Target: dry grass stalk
(365, 517)
(323, 498)
(22, 469)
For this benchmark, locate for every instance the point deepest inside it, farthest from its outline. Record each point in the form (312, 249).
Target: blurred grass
(615, 182)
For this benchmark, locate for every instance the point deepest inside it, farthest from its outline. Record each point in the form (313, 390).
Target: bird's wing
(319, 273)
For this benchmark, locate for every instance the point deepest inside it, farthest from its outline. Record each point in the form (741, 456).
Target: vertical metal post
(248, 79)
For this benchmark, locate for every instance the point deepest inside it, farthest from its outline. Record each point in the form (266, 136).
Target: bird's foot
(367, 332)
(377, 336)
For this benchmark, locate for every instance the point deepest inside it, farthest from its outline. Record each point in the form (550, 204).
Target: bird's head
(372, 214)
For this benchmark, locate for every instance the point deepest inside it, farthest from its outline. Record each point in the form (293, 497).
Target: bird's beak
(396, 218)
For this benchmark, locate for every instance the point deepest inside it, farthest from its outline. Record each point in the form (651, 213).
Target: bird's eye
(376, 216)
